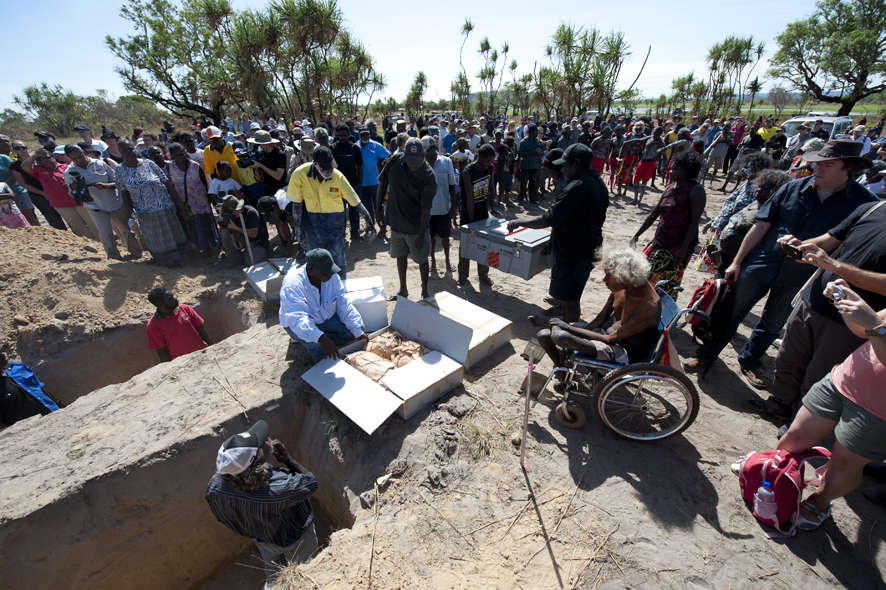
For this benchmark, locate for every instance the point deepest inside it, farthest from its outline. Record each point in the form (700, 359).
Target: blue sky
(424, 36)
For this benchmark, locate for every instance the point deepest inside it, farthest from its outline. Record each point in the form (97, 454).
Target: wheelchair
(644, 401)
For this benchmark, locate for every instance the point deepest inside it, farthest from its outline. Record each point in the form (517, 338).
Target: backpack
(716, 298)
(784, 471)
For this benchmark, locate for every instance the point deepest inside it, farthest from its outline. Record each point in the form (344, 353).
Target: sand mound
(56, 282)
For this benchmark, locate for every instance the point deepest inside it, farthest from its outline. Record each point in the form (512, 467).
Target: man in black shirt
(816, 337)
(478, 189)
(349, 159)
(410, 183)
(232, 239)
(576, 219)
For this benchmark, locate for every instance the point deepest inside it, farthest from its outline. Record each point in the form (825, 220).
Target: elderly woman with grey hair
(626, 328)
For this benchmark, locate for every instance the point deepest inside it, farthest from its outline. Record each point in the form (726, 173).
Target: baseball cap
(108, 133)
(82, 127)
(232, 203)
(434, 130)
(362, 129)
(427, 142)
(254, 126)
(860, 128)
(321, 259)
(413, 149)
(323, 158)
(212, 132)
(576, 152)
(239, 452)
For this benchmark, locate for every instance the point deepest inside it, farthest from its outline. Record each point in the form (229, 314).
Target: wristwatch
(877, 331)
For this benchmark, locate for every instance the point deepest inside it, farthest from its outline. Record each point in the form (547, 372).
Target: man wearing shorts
(410, 184)
(443, 208)
(646, 168)
(576, 219)
(478, 190)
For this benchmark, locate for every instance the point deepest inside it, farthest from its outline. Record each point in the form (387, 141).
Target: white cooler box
(405, 390)
(267, 277)
(367, 295)
(520, 253)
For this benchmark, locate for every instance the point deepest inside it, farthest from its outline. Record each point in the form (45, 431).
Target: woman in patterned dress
(154, 199)
(190, 183)
(680, 208)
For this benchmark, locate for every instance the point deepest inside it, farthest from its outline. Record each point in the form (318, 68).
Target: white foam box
(367, 295)
(266, 277)
(520, 253)
(405, 390)
(489, 331)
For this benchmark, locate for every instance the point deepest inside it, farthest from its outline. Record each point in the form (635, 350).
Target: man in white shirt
(314, 308)
(443, 207)
(85, 134)
(858, 134)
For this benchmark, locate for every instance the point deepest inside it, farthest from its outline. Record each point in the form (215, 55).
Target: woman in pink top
(849, 403)
(190, 182)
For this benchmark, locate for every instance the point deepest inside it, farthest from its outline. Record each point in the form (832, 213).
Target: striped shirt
(277, 514)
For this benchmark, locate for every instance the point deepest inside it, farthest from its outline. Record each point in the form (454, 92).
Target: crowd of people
(801, 228)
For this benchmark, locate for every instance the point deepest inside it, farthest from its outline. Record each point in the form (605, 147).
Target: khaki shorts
(857, 429)
(403, 244)
(610, 353)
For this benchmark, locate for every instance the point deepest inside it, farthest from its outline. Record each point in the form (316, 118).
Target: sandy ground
(591, 510)
(605, 512)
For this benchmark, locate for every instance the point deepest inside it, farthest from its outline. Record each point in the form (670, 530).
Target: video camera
(246, 156)
(80, 190)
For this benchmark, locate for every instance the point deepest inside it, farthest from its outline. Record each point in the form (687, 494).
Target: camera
(792, 251)
(246, 156)
(837, 295)
(79, 190)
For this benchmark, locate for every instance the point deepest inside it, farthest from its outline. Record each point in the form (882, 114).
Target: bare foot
(425, 295)
(433, 268)
(486, 281)
(539, 322)
(403, 294)
(450, 267)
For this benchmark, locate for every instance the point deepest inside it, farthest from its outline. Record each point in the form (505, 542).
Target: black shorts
(441, 226)
(567, 284)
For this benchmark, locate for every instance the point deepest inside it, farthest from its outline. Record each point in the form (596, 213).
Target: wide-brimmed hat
(838, 149)
(263, 137)
(306, 145)
(232, 203)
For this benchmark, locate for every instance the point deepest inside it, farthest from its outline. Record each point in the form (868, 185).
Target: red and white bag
(785, 471)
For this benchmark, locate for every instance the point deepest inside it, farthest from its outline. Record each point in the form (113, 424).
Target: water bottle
(764, 503)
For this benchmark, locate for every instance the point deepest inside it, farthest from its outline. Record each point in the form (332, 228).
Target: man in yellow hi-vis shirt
(321, 188)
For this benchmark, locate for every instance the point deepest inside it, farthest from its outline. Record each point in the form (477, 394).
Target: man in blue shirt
(804, 209)
(374, 154)
(268, 504)
(712, 134)
(314, 307)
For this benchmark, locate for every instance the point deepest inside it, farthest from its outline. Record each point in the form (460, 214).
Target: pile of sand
(54, 282)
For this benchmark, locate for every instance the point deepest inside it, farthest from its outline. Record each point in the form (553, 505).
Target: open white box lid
(358, 397)
(369, 404)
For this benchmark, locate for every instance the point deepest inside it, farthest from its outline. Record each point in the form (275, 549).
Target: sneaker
(754, 377)
(770, 407)
(693, 365)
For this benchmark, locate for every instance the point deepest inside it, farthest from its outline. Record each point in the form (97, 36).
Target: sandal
(806, 524)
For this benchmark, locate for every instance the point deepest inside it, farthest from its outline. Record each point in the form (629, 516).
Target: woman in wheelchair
(626, 328)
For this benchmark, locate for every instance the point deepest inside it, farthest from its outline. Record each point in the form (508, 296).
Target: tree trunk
(846, 107)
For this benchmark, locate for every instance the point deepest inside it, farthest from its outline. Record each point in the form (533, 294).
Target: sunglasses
(20, 147)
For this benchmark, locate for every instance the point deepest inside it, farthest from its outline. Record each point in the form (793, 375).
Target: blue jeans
(327, 230)
(254, 191)
(276, 556)
(354, 212)
(333, 327)
(776, 312)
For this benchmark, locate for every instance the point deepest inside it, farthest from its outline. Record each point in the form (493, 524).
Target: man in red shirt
(175, 329)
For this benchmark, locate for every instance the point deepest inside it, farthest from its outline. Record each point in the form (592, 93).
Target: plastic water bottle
(764, 503)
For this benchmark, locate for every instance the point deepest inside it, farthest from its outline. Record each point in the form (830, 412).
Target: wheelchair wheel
(576, 417)
(645, 402)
